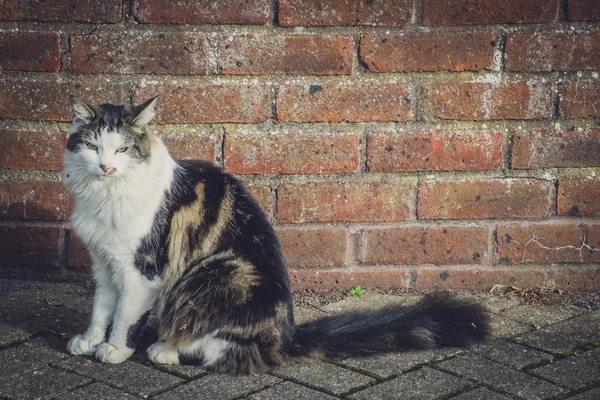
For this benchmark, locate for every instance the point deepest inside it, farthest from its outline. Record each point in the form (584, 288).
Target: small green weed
(357, 292)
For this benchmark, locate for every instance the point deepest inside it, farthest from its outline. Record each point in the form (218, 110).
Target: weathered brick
(514, 99)
(435, 151)
(425, 245)
(346, 201)
(97, 11)
(31, 150)
(29, 51)
(262, 195)
(553, 51)
(290, 154)
(201, 11)
(482, 12)
(30, 245)
(581, 278)
(578, 196)
(583, 10)
(313, 248)
(580, 98)
(477, 278)
(479, 198)
(189, 101)
(548, 242)
(79, 257)
(188, 143)
(23, 96)
(331, 280)
(349, 12)
(428, 51)
(552, 149)
(260, 54)
(343, 102)
(34, 199)
(132, 52)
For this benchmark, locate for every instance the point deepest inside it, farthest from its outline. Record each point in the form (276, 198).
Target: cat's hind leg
(205, 351)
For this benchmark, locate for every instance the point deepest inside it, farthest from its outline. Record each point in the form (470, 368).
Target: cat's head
(107, 141)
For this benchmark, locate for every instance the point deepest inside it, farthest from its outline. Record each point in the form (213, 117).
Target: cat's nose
(104, 168)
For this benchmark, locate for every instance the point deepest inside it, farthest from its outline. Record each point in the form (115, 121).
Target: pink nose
(103, 168)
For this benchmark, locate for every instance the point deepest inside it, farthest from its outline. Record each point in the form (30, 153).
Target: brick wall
(392, 143)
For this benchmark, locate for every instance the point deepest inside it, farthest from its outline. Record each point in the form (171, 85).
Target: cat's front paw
(110, 354)
(163, 353)
(80, 346)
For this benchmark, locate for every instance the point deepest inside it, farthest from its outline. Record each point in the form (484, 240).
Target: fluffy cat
(186, 240)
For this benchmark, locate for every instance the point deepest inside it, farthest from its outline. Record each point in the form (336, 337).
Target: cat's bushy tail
(435, 321)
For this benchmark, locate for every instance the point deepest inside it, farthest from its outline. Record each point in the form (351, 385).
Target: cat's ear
(145, 112)
(81, 110)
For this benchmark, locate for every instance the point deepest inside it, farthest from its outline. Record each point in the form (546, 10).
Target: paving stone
(481, 394)
(185, 371)
(498, 304)
(222, 387)
(96, 391)
(511, 354)
(425, 383)
(40, 307)
(302, 314)
(541, 316)
(42, 384)
(500, 377)
(290, 391)
(325, 376)
(386, 365)
(369, 301)
(27, 357)
(566, 335)
(129, 376)
(575, 372)
(593, 394)
(501, 327)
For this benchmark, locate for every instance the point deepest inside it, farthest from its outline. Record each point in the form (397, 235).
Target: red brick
(135, 52)
(583, 10)
(428, 51)
(490, 198)
(290, 154)
(580, 98)
(312, 248)
(46, 97)
(368, 279)
(437, 151)
(98, 11)
(29, 51)
(189, 144)
(347, 201)
(556, 149)
(517, 99)
(201, 11)
(79, 257)
(262, 54)
(481, 12)
(469, 279)
(579, 279)
(553, 242)
(553, 51)
(262, 195)
(189, 101)
(578, 196)
(30, 245)
(34, 199)
(31, 150)
(426, 245)
(343, 102)
(348, 12)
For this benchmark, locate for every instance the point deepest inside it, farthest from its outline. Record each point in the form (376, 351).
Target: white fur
(163, 353)
(112, 214)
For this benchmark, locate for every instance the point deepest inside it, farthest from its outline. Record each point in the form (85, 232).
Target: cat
(186, 240)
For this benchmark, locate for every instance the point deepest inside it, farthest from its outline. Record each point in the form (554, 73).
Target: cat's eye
(122, 149)
(91, 146)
